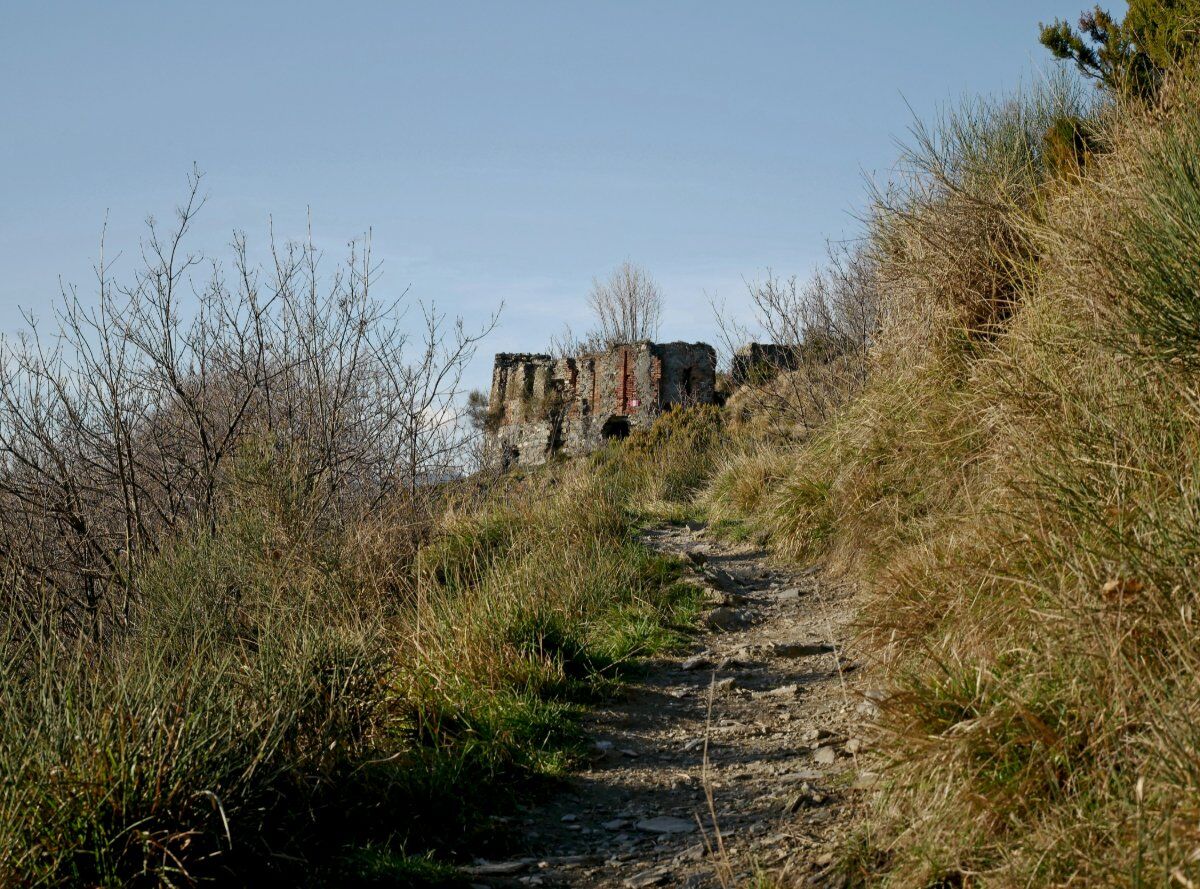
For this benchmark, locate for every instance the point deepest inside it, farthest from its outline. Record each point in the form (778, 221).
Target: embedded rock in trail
(762, 714)
(666, 824)
(501, 868)
(727, 619)
(826, 756)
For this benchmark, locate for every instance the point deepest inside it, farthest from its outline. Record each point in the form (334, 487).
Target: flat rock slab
(825, 756)
(648, 878)
(666, 824)
(784, 691)
(500, 868)
(723, 580)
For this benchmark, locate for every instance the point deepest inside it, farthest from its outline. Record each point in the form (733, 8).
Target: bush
(951, 233)
(192, 746)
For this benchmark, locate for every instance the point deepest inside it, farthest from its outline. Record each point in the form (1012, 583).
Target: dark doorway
(689, 386)
(615, 427)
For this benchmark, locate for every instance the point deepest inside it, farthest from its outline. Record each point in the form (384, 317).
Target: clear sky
(498, 150)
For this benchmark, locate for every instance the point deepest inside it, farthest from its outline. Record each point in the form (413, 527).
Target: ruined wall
(519, 406)
(540, 405)
(755, 361)
(689, 373)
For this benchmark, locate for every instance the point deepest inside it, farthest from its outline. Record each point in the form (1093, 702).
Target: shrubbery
(255, 631)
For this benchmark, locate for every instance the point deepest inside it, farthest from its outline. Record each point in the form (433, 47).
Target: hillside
(1015, 488)
(915, 607)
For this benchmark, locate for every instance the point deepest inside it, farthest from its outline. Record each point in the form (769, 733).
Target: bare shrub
(628, 306)
(568, 344)
(825, 326)
(125, 420)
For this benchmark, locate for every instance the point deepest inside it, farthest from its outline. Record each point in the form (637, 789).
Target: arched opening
(615, 427)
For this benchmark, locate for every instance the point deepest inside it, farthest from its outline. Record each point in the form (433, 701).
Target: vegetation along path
(738, 759)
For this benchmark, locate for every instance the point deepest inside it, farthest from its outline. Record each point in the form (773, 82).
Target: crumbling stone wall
(540, 405)
(755, 361)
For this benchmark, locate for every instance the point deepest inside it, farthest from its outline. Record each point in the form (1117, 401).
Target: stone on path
(825, 756)
(648, 878)
(500, 868)
(790, 690)
(723, 579)
(666, 824)
(725, 619)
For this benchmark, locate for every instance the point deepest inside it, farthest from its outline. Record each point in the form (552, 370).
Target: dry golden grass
(1019, 490)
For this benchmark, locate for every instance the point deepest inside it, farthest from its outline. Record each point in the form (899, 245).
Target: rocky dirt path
(739, 759)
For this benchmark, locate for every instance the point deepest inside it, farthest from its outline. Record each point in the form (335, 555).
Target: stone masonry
(540, 405)
(755, 362)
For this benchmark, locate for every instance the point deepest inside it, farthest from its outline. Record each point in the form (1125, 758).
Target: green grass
(291, 703)
(384, 867)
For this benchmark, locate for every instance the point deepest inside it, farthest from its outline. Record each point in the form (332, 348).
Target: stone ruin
(755, 362)
(541, 405)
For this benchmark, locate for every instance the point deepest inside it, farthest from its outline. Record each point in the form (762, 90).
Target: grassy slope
(304, 702)
(1018, 490)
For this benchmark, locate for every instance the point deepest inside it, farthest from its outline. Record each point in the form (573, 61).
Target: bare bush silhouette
(828, 323)
(628, 306)
(124, 420)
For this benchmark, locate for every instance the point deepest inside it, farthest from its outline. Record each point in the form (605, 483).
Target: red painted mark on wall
(624, 381)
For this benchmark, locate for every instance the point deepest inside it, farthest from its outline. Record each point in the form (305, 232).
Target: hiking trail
(761, 725)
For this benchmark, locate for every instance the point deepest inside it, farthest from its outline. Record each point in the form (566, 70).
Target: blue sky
(498, 151)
